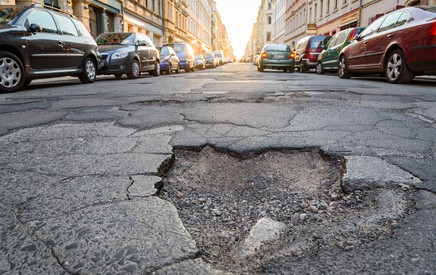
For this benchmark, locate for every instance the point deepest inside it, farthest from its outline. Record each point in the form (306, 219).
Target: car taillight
(351, 36)
(433, 29)
(263, 55)
(306, 55)
(292, 55)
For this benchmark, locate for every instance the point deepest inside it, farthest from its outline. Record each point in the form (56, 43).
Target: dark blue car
(169, 61)
(185, 52)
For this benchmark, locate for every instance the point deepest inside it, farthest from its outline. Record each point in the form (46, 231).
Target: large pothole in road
(246, 212)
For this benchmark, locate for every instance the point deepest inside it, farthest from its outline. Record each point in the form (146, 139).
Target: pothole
(247, 212)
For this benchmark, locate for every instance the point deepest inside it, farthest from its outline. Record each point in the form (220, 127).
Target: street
(221, 171)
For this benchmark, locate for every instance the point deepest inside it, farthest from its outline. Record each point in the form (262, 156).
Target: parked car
(169, 61)
(127, 53)
(39, 43)
(400, 44)
(220, 55)
(307, 51)
(185, 52)
(256, 58)
(211, 60)
(328, 59)
(200, 62)
(276, 56)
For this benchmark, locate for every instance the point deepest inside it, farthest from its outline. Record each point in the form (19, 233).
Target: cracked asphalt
(95, 178)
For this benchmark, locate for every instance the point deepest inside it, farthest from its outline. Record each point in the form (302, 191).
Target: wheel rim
(90, 70)
(318, 68)
(10, 72)
(341, 66)
(394, 66)
(135, 69)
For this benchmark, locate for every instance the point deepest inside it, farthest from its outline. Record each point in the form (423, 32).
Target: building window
(269, 6)
(268, 36)
(269, 20)
(52, 3)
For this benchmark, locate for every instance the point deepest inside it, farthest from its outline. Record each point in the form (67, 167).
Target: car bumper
(184, 64)
(276, 64)
(114, 66)
(164, 66)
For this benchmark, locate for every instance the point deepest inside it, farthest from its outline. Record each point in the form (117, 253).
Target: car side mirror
(35, 28)
(357, 37)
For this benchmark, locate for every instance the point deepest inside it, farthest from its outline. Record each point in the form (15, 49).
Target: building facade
(197, 22)
(309, 17)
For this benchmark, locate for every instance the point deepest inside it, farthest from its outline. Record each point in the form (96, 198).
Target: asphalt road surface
(221, 171)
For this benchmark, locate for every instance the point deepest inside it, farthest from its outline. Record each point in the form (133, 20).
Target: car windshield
(115, 39)
(199, 57)
(431, 9)
(279, 48)
(8, 14)
(209, 55)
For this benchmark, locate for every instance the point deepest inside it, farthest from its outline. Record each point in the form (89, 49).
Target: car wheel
(156, 71)
(193, 69)
(178, 69)
(12, 76)
(135, 70)
(291, 69)
(396, 68)
(285, 70)
(170, 68)
(303, 68)
(260, 68)
(343, 71)
(118, 76)
(319, 68)
(89, 71)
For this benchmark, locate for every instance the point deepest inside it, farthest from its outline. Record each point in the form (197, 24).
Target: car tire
(303, 68)
(178, 69)
(396, 68)
(260, 68)
(135, 70)
(319, 68)
(193, 68)
(89, 71)
(118, 76)
(343, 71)
(292, 69)
(12, 76)
(170, 68)
(285, 70)
(156, 71)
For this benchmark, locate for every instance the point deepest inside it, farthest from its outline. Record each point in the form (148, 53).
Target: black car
(128, 53)
(39, 43)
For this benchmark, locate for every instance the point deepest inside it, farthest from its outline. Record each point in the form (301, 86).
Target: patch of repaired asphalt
(247, 211)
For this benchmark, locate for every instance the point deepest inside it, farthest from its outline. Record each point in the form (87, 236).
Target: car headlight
(119, 55)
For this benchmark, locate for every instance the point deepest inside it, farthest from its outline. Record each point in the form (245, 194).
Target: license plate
(279, 56)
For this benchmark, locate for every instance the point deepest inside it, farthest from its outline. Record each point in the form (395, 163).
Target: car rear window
(280, 48)
(318, 41)
(179, 48)
(165, 51)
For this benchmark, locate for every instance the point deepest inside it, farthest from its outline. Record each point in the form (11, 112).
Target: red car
(400, 44)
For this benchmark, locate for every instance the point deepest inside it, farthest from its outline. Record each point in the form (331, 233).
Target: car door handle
(365, 42)
(390, 35)
(61, 43)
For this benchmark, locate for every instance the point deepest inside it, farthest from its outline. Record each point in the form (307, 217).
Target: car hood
(114, 48)
(6, 28)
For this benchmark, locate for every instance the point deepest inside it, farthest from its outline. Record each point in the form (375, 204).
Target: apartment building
(194, 21)
(200, 25)
(307, 17)
(263, 28)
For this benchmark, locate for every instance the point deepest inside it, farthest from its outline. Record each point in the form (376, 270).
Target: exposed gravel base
(221, 196)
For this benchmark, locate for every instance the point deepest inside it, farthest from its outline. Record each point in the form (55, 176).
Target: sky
(238, 16)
